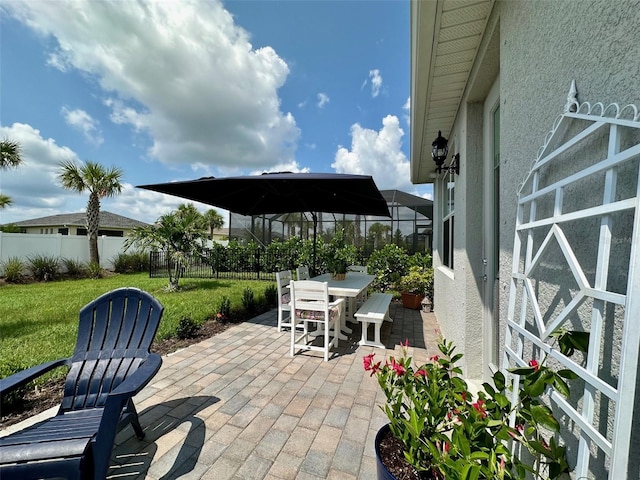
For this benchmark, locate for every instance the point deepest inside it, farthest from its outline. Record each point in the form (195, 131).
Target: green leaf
(538, 447)
(499, 380)
(543, 416)
(568, 374)
(561, 386)
(522, 370)
(535, 385)
(479, 456)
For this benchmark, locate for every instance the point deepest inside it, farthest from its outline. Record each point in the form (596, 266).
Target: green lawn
(39, 321)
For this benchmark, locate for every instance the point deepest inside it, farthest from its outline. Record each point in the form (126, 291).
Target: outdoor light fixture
(439, 152)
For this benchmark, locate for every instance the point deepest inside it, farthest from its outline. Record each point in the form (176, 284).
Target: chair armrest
(136, 382)
(17, 380)
(338, 301)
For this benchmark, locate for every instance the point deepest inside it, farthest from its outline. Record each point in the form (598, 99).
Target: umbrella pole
(315, 227)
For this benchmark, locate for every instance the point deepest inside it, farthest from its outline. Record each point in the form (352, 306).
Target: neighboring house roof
(445, 37)
(107, 220)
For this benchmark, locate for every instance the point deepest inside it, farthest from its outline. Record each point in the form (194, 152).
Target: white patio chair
(283, 279)
(302, 273)
(310, 303)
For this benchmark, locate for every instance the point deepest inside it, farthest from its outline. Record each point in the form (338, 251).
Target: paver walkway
(237, 406)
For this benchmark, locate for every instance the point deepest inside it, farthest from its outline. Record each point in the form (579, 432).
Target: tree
(213, 221)
(178, 234)
(100, 182)
(10, 157)
(378, 234)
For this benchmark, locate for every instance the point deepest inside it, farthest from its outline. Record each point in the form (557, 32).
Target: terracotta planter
(338, 276)
(411, 300)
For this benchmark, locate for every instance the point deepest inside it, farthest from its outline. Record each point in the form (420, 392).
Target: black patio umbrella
(284, 192)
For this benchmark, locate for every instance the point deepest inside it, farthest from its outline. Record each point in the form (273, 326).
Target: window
(448, 192)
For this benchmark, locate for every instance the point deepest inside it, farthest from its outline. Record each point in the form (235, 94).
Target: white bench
(375, 310)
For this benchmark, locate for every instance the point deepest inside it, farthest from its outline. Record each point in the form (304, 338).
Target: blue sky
(177, 89)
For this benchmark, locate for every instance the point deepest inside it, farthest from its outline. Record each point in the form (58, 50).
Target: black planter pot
(381, 470)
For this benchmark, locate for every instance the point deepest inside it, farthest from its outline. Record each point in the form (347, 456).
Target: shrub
(271, 294)
(13, 270)
(223, 312)
(95, 270)
(131, 262)
(44, 267)
(420, 259)
(419, 280)
(388, 264)
(10, 228)
(187, 328)
(248, 300)
(74, 268)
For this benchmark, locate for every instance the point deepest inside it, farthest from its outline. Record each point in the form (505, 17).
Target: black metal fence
(247, 264)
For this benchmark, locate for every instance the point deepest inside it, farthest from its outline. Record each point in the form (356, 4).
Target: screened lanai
(409, 225)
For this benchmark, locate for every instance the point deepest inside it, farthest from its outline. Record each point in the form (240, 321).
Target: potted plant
(444, 432)
(338, 256)
(338, 267)
(415, 285)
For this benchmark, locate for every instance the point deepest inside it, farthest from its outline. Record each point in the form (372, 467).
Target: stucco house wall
(541, 47)
(535, 49)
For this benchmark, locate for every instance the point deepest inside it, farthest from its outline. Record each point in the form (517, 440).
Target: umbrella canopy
(286, 192)
(283, 193)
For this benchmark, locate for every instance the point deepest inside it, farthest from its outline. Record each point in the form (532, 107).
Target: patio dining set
(328, 303)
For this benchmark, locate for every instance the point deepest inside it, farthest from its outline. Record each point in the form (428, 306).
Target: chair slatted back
(283, 279)
(302, 273)
(114, 337)
(310, 295)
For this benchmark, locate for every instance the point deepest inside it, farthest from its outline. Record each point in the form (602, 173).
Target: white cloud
(292, 167)
(148, 206)
(376, 82)
(35, 190)
(323, 99)
(407, 109)
(183, 72)
(377, 154)
(33, 186)
(82, 121)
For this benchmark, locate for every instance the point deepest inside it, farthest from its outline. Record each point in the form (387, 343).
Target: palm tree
(100, 182)
(178, 234)
(10, 157)
(10, 154)
(378, 232)
(213, 220)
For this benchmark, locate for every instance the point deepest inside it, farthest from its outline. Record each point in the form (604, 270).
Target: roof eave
(424, 19)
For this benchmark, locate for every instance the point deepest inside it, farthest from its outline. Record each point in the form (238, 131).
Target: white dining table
(349, 288)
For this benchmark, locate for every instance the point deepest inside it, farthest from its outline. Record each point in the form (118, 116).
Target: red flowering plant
(446, 432)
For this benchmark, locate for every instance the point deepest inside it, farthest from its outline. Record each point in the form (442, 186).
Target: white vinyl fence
(76, 247)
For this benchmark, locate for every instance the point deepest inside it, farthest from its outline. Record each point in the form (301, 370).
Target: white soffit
(445, 36)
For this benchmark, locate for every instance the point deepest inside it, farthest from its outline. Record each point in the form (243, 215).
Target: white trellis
(576, 265)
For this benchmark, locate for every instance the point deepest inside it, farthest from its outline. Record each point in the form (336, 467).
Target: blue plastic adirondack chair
(110, 364)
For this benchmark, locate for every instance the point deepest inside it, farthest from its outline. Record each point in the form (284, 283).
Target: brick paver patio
(237, 406)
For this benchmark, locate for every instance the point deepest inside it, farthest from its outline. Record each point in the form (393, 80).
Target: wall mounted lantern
(439, 152)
